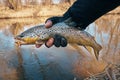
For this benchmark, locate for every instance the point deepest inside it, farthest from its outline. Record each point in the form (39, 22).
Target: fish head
(26, 38)
(35, 35)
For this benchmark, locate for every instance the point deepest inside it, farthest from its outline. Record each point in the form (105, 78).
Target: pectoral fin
(39, 43)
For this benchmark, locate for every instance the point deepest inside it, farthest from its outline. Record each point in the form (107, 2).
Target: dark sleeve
(84, 12)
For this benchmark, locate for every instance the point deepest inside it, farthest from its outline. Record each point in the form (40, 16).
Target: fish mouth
(19, 41)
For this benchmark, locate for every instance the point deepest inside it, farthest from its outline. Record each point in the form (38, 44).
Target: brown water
(30, 63)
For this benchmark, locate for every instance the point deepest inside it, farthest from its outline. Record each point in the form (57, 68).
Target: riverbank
(33, 11)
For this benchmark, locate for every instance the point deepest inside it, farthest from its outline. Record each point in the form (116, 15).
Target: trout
(39, 34)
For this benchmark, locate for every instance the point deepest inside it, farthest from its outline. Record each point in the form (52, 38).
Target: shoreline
(33, 11)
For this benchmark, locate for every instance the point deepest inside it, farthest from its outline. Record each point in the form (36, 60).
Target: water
(30, 63)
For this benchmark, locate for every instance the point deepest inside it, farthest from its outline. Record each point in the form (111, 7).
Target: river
(31, 63)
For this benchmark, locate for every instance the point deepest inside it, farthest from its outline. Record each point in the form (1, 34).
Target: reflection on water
(27, 62)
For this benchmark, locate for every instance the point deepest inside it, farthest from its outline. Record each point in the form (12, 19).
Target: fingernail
(49, 43)
(48, 24)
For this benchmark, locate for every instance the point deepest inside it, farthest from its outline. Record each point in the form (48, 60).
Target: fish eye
(21, 35)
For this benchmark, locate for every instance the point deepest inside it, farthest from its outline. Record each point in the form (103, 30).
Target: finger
(48, 24)
(49, 43)
(63, 42)
(57, 40)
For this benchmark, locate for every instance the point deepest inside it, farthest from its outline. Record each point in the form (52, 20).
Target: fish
(39, 35)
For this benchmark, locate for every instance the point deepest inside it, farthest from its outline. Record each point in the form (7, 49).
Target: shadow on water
(30, 63)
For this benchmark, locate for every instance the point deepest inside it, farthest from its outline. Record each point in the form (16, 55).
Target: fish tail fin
(97, 49)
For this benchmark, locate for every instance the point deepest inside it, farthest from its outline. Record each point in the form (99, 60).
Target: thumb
(48, 24)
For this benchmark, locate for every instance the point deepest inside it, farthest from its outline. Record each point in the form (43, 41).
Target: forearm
(84, 12)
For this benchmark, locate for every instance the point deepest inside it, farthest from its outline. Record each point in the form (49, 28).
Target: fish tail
(97, 47)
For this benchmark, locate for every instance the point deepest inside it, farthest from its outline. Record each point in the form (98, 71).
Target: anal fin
(79, 50)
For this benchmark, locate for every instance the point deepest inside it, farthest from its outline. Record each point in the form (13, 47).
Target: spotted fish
(39, 34)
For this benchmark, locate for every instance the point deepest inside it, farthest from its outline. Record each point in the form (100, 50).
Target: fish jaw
(19, 42)
(25, 41)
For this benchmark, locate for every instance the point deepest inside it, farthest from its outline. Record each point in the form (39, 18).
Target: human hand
(57, 40)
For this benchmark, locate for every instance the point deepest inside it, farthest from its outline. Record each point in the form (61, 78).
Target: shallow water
(30, 63)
